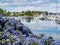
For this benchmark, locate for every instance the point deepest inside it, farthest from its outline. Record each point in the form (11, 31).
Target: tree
(8, 13)
(1, 11)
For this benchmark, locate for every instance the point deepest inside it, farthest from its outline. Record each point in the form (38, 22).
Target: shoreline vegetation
(30, 14)
(13, 32)
(26, 13)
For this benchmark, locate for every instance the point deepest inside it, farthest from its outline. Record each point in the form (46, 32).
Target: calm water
(49, 28)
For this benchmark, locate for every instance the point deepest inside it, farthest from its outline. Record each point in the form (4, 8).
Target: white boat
(57, 21)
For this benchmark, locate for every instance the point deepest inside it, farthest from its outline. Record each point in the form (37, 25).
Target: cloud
(50, 8)
(25, 2)
(20, 5)
(3, 4)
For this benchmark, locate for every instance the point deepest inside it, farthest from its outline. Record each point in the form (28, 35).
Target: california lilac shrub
(13, 32)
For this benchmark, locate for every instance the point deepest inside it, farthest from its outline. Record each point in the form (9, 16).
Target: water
(47, 27)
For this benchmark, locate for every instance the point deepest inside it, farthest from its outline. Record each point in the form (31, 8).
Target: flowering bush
(13, 32)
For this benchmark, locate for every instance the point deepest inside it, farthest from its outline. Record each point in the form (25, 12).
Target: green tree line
(23, 13)
(4, 12)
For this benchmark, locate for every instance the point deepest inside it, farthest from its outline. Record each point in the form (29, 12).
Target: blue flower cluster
(13, 32)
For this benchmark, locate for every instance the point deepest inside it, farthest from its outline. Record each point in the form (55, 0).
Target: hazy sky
(38, 5)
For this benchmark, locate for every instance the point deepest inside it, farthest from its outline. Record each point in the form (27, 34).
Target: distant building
(12, 14)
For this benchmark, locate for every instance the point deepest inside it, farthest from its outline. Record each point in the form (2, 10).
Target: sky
(33, 5)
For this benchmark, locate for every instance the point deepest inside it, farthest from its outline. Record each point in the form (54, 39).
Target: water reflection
(47, 27)
(28, 19)
(37, 26)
